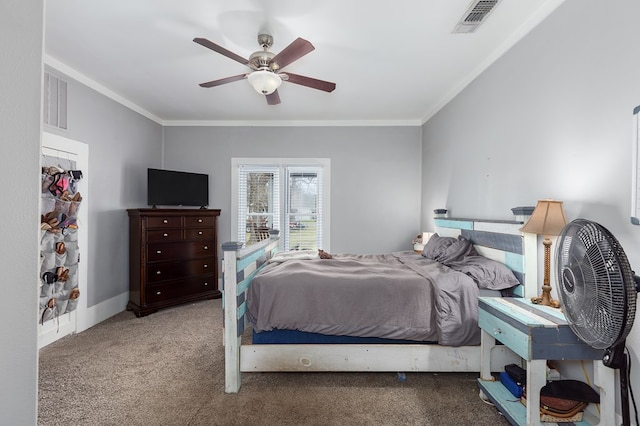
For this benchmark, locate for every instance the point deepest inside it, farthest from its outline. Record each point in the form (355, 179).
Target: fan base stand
(545, 299)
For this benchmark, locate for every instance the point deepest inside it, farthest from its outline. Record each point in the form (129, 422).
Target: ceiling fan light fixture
(264, 65)
(264, 82)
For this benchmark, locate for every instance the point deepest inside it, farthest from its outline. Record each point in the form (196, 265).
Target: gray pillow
(437, 246)
(448, 249)
(487, 273)
(458, 251)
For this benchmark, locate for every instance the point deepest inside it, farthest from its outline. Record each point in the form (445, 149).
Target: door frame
(75, 321)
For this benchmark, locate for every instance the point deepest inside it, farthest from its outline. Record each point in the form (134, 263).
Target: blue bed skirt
(300, 337)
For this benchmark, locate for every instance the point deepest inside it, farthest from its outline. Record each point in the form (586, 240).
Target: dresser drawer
(164, 235)
(180, 288)
(506, 333)
(163, 271)
(159, 252)
(198, 221)
(164, 222)
(201, 234)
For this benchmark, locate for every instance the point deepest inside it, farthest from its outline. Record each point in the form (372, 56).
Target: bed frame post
(231, 339)
(531, 265)
(239, 267)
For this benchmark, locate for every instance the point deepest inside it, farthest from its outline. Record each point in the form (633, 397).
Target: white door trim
(76, 321)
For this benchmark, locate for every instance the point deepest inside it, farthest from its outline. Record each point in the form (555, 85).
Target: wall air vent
(476, 14)
(55, 101)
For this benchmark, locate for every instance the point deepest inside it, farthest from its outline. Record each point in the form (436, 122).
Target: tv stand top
(154, 210)
(180, 208)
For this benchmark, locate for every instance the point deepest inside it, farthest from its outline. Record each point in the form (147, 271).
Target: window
(304, 192)
(288, 195)
(258, 202)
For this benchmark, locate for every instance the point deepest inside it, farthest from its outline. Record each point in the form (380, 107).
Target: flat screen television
(174, 188)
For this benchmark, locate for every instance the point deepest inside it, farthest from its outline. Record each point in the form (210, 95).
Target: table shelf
(537, 334)
(511, 407)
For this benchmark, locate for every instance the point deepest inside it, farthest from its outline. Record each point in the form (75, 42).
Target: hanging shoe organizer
(59, 254)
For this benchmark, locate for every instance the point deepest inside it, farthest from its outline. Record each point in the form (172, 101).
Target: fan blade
(221, 50)
(273, 99)
(222, 81)
(296, 50)
(310, 82)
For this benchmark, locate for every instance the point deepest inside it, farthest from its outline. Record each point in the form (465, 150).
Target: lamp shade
(264, 82)
(547, 219)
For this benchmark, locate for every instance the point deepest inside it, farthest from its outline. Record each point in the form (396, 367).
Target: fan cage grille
(596, 284)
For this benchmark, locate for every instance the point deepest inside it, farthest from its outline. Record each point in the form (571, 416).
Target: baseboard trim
(55, 329)
(97, 313)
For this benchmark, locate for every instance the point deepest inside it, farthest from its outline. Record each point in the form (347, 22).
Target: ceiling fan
(266, 77)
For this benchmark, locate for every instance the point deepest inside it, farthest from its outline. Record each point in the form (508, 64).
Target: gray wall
(375, 175)
(21, 30)
(551, 119)
(122, 144)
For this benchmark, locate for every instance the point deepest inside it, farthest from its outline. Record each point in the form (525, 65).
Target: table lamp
(547, 219)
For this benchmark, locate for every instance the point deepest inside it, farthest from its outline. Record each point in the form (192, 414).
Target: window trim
(324, 163)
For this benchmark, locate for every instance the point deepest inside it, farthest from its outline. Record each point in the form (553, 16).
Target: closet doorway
(53, 324)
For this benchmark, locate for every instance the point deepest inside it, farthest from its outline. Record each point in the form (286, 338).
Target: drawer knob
(206, 284)
(158, 293)
(165, 221)
(158, 251)
(205, 265)
(158, 272)
(199, 232)
(199, 220)
(206, 247)
(497, 331)
(165, 235)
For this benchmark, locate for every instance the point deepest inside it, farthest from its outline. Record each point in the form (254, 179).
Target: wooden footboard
(407, 358)
(239, 266)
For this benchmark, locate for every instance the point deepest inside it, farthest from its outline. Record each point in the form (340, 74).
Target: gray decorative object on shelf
(440, 213)
(522, 214)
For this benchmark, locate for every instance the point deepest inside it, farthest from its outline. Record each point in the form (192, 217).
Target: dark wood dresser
(173, 257)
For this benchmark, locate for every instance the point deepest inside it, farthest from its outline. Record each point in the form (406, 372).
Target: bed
(292, 339)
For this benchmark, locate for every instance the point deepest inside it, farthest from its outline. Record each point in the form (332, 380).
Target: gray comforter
(397, 296)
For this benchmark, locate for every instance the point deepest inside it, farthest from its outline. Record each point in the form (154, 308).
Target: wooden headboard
(502, 241)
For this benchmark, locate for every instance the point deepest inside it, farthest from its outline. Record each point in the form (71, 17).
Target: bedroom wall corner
(552, 118)
(123, 144)
(21, 47)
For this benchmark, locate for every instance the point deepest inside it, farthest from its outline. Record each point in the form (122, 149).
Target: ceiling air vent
(476, 14)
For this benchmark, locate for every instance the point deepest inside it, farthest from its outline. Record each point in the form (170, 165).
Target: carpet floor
(168, 369)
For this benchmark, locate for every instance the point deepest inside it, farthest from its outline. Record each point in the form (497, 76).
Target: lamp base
(545, 299)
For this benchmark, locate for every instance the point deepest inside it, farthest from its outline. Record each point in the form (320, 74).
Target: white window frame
(242, 202)
(281, 163)
(287, 213)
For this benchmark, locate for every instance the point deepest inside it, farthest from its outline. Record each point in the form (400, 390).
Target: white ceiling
(394, 62)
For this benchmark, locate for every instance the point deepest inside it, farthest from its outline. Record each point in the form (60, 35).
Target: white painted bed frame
(241, 264)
